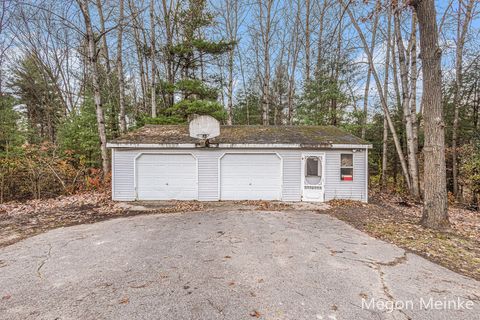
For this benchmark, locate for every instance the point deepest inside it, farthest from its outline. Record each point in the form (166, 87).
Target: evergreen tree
(33, 84)
(193, 54)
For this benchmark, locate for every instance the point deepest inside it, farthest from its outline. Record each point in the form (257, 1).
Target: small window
(313, 167)
(346, 167)
(313, 170)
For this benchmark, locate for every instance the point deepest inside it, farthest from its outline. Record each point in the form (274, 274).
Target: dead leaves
(346, 203)
(396, 220)
(263, 205)
(124, 300)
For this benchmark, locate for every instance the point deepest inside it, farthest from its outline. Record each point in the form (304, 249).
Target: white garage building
(288, 163)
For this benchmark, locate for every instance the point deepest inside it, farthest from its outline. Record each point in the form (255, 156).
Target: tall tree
(407, 112)
(308, 8)
(369, 72)
(153, 63)
(435, 206)
(462, 29)
(120, 73)
(265, 8)
(95, 77)
(383, 182)
(383, 99)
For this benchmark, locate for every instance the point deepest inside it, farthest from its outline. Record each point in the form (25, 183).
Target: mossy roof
(243, 134)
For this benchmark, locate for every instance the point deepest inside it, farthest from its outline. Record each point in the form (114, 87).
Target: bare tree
(120, 74)
(265, 8)
(369, 72)
(93, 66)
(170, 10)
(293, 52)
(385, 94)
(139, 46)
(462, 29)
(407, 112)
(380, 93)
(307, 39)
(435, 207)
(152, 60)
(231, 17)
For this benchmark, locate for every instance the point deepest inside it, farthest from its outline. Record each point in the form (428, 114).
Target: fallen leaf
(255, 314)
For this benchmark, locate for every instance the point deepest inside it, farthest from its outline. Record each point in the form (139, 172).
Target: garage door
(250, 177)
(166, 177)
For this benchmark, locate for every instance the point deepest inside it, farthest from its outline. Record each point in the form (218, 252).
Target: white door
(166, 177)
(313, 181)
(250, 176)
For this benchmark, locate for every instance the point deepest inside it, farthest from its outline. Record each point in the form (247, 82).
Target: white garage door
(250, 177)
(166, 177)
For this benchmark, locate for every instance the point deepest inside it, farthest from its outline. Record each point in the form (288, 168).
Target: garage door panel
(250, 177)
(166, 176)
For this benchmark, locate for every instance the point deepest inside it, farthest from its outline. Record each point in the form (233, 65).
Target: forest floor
(396, 220)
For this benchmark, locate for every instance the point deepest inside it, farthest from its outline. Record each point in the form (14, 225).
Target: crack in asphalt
(42, 263)
(386, 289)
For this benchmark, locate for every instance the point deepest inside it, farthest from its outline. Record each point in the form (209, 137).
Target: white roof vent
(204, 127)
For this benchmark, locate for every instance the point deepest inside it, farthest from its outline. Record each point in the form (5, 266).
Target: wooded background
(74, 74)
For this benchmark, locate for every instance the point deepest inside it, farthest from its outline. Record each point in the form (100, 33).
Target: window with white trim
(346, 167)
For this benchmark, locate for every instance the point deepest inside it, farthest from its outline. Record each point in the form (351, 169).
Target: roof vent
(204, 127)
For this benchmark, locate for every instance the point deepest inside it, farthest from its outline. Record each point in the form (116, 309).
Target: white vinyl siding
(208, 175)
(208, 160)
(335, 188)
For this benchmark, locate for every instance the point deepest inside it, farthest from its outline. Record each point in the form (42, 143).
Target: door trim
(135, 168)
(302, 172)
(219, 180)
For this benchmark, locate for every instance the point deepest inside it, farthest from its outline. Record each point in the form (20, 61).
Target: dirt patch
(22, 220)
(396, 220)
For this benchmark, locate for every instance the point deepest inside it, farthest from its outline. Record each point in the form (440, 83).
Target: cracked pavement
(223, 264)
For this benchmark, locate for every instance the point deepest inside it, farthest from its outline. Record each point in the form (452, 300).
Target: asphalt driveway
(225, 265)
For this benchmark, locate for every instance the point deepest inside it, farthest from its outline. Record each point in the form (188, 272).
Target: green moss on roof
(303, 135)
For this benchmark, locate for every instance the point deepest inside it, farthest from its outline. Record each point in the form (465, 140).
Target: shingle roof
(305, 136)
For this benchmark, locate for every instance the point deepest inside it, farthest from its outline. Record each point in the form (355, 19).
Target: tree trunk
(413, 83)
(265, 27)
(140, 54)
(121, 79)
(307, 40)
(369, 72)
(294, 54)
(383, 182)
(318, 65)
(152, 62)
(435, 208)
(169, 58)
(462, 29)
(407, 112)
(92, 61)
(106, 56)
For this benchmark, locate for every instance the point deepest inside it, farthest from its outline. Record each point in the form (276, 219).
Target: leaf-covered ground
(396, 220)
(23, 220)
